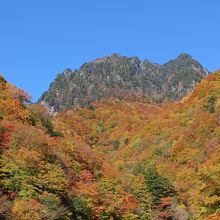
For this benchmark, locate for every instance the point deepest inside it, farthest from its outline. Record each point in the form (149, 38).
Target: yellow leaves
(17, 93)
(130, 216)
(12, 108)
(51, 177)
(211, 200)
(3, 83)
(180, 139)
(188, 156)
(29, 137)
(209, 86)
(26, 209)
(210, 173)
(119, 164)
(17, 160)
(26, 158)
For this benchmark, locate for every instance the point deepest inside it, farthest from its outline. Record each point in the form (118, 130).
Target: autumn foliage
(120, 159)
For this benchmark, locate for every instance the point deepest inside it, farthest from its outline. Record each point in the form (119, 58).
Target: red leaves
(165, 202)
(129, 203)
(166, 208)
(215, 216)
(5, 134)
(5, 202)
(86, 176)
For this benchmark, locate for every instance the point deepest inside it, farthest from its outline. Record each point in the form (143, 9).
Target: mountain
(122, 159)
(120, 76)
(170, 150)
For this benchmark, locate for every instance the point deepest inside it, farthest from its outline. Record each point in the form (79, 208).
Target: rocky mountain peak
(118, 76)
(185, 56)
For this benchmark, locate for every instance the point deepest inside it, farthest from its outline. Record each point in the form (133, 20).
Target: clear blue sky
(40, 38)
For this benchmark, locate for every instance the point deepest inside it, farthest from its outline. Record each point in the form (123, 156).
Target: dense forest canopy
(115, 159)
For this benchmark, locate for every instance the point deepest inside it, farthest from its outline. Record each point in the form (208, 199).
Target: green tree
(158, 185)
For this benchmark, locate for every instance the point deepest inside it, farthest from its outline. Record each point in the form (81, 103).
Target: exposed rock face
(117, 75)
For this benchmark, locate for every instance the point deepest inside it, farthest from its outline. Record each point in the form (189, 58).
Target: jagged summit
(116, 76)
(185, 56)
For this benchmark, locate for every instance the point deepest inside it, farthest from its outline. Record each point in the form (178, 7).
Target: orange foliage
(99, 166)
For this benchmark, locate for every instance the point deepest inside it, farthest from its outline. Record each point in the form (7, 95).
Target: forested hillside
(122, 159)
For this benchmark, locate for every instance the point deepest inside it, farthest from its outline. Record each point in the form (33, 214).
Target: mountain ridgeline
(119, 76)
